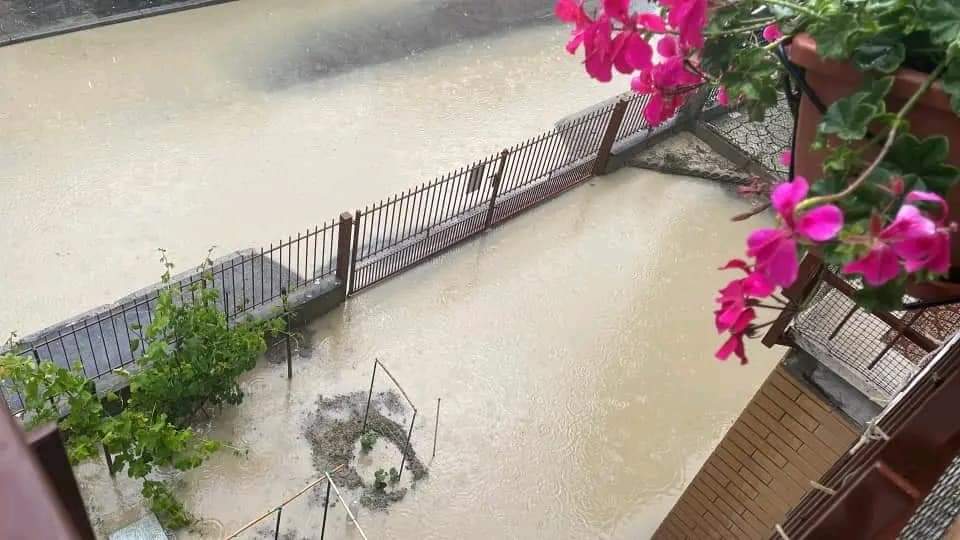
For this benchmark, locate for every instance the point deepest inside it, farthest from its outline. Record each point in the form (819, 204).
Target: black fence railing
(383, 239)
(104, 341)
(409, 227)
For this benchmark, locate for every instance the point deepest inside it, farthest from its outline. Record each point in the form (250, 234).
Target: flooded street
(239, 124)
(571, 348)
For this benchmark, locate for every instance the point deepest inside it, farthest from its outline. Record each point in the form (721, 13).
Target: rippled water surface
(571, 348)
(239, 124)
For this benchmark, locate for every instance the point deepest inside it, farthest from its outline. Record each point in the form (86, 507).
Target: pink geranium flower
(735, 314)
(571, 11)
(776, 249)
(772, 33)
(912, 239)
(688, 17)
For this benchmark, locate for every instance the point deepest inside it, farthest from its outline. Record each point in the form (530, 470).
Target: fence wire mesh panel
(833, 327)
(103, 341)
(764, 141)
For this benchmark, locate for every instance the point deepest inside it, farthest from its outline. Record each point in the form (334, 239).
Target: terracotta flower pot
(932, 115)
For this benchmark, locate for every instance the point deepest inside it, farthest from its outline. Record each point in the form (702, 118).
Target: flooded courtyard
(571, 348)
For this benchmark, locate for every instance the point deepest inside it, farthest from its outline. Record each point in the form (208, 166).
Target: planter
(832, 80)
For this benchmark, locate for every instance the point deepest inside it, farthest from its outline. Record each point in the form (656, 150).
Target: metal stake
(369, 395)
(407, 449)
(276, 532)
(286, 335)
(436, 427)
(326, 506)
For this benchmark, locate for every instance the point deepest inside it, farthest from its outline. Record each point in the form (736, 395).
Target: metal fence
(402, 230)
(383, 239)
(99, 343)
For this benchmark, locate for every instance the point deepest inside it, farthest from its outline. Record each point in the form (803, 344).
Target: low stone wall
(24, 20)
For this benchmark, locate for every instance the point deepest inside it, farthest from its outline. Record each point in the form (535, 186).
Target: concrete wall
(785, 437)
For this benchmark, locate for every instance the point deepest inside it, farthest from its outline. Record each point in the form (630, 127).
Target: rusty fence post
(344, 246)
(609, 137)
(495, 188)
(353, 253)
(807, 278)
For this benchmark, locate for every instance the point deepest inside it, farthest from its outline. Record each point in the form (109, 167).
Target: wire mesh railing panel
(884, 349)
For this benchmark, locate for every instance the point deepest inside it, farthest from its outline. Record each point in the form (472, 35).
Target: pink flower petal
(772, 33)
(787, 195)
(733, 345)
(654, 111)
(926, 196)
(877, 267)
(757, 285)
(782, 265)
(909, 223)
(722, 97)
(638, 53)
(651, 22)
(576, 38)
(569, 11)
(667, 46)
(739, 264)
(617, 9)
(786, 158)
(760, 239)
(821, 223)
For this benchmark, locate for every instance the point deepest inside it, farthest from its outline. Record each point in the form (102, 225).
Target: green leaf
(942, 18)
(951, 84)
(925, 159)
(833, 35)
(882, 53)
(848, 118)
(887, 297)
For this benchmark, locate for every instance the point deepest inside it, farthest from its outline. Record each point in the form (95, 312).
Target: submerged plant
(367, 440)
(380, 480)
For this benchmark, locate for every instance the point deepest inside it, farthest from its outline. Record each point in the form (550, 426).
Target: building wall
(785, 437)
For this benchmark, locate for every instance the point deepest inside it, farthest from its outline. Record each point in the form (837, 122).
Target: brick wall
(785, 437)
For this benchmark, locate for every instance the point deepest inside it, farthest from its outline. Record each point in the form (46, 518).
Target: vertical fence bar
(326, 506)
(436, 428)
(353, 256)
(495, 188)
(276, 531)
(366, 410)
(406, 449)
(343, 247)
(609, 137)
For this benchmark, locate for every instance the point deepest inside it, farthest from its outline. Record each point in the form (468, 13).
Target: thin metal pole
(276, 531)
(346, 507)
(326, 506)
(436, 427)
(109, 459)
(495, 188)
(407, 449)
(286, 334)
(369, 395)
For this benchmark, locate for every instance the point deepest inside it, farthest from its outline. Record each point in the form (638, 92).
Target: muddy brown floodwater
(571, 347)
(239, 124)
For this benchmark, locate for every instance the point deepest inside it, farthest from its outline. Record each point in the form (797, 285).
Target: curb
(110, 19)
